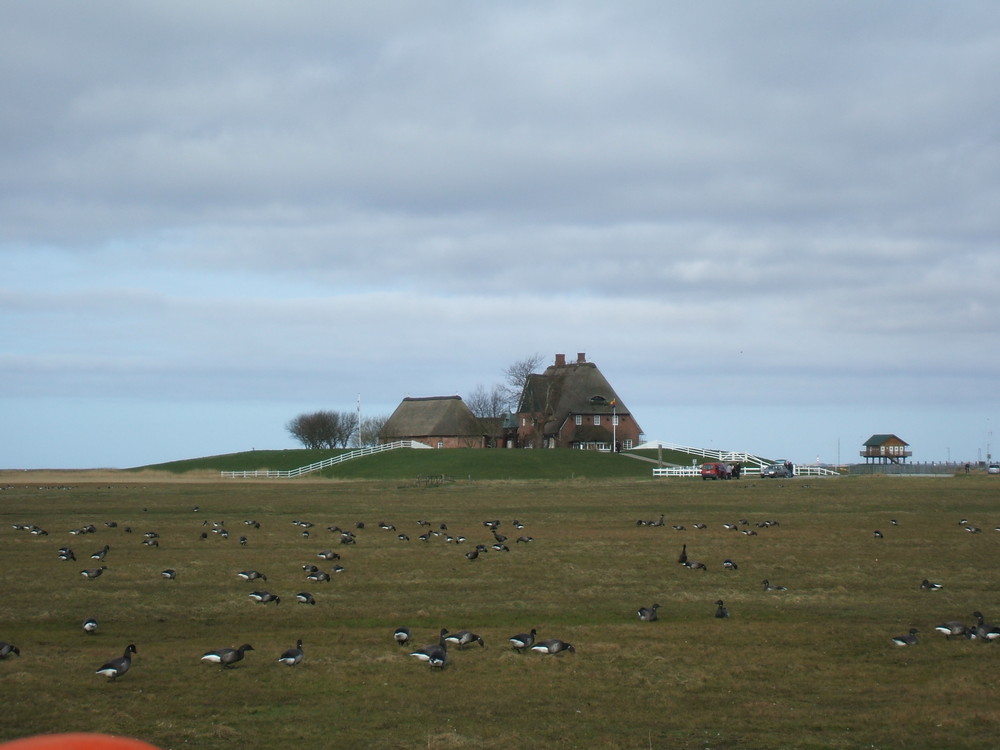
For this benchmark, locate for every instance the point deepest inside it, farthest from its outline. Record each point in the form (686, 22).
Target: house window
(614, 419)
(524, 421)
(627, 445)
(579, 419)
(440, 444)
(597, 419)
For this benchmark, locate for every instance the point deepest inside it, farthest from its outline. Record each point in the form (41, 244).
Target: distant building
(438, 421)
(573, 406)
(885, 449)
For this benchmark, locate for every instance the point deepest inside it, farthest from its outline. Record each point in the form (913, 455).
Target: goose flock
(436, 654)
(981, 630)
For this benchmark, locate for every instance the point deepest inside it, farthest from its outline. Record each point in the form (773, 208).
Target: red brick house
(573, 406)
(885, 449)
(437, 421)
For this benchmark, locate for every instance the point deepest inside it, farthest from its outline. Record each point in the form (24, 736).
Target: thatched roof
(564, 389)
(433, 416)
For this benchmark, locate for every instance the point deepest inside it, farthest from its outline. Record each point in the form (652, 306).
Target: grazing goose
(910, 639)
(101, 553)
(682, 558)
(92, 573)
(553, 646)
(435, 654)
(328, 554)
(263, 597)
(292, 656)
(769, 587)
(90, 625)
(463, 638)
(985, 631)
(169, 573)
(117, 667)
(304, 597)
(648, 614)
(522, 641)
(319, 576)
(928, 586)
(730, 565)
(227, 657)
(65, 553)
(251, 575)
(402, 635)
(877, 534)
(695, 565)
(720, 609)
(6, 649)
(954, 628)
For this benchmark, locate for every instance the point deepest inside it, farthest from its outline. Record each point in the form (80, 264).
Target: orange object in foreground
(76, 741)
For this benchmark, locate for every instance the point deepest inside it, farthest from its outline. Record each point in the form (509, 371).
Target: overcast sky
(773, 225)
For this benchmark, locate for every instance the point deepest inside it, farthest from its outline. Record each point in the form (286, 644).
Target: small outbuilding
(885, 449)
(437, 421)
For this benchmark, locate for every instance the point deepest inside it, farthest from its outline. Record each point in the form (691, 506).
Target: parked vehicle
(778, 470)
(715, 470)
(993, 469)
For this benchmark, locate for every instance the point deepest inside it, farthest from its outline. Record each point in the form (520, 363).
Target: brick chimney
(560, 360)
(581, 357)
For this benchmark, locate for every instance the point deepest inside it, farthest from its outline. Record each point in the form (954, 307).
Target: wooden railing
(325, 463)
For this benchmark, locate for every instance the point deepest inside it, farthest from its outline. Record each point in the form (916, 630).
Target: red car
(715, 471)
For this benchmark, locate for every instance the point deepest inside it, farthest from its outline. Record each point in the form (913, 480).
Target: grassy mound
(456, 463)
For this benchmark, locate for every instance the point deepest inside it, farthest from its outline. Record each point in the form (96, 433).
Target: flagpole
(614, 426)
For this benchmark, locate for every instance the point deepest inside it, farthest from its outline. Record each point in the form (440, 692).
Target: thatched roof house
(438, 421)
(573, 406)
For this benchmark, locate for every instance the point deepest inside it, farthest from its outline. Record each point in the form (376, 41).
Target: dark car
(775, 470)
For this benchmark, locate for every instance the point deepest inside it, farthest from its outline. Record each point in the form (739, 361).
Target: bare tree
(312, 430)
(488, 404)
(516, 375)
(369, 430)
(345, 425)
(323, 429)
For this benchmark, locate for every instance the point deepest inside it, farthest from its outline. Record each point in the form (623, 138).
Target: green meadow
(810, 667)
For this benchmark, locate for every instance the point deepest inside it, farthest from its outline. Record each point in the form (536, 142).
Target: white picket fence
(695, 471)
(325, 463)
(752, 465)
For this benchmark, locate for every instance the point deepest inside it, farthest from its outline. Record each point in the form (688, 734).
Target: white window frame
(597, 419)
(579, 419)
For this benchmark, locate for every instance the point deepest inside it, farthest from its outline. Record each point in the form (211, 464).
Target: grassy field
(810, 667)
